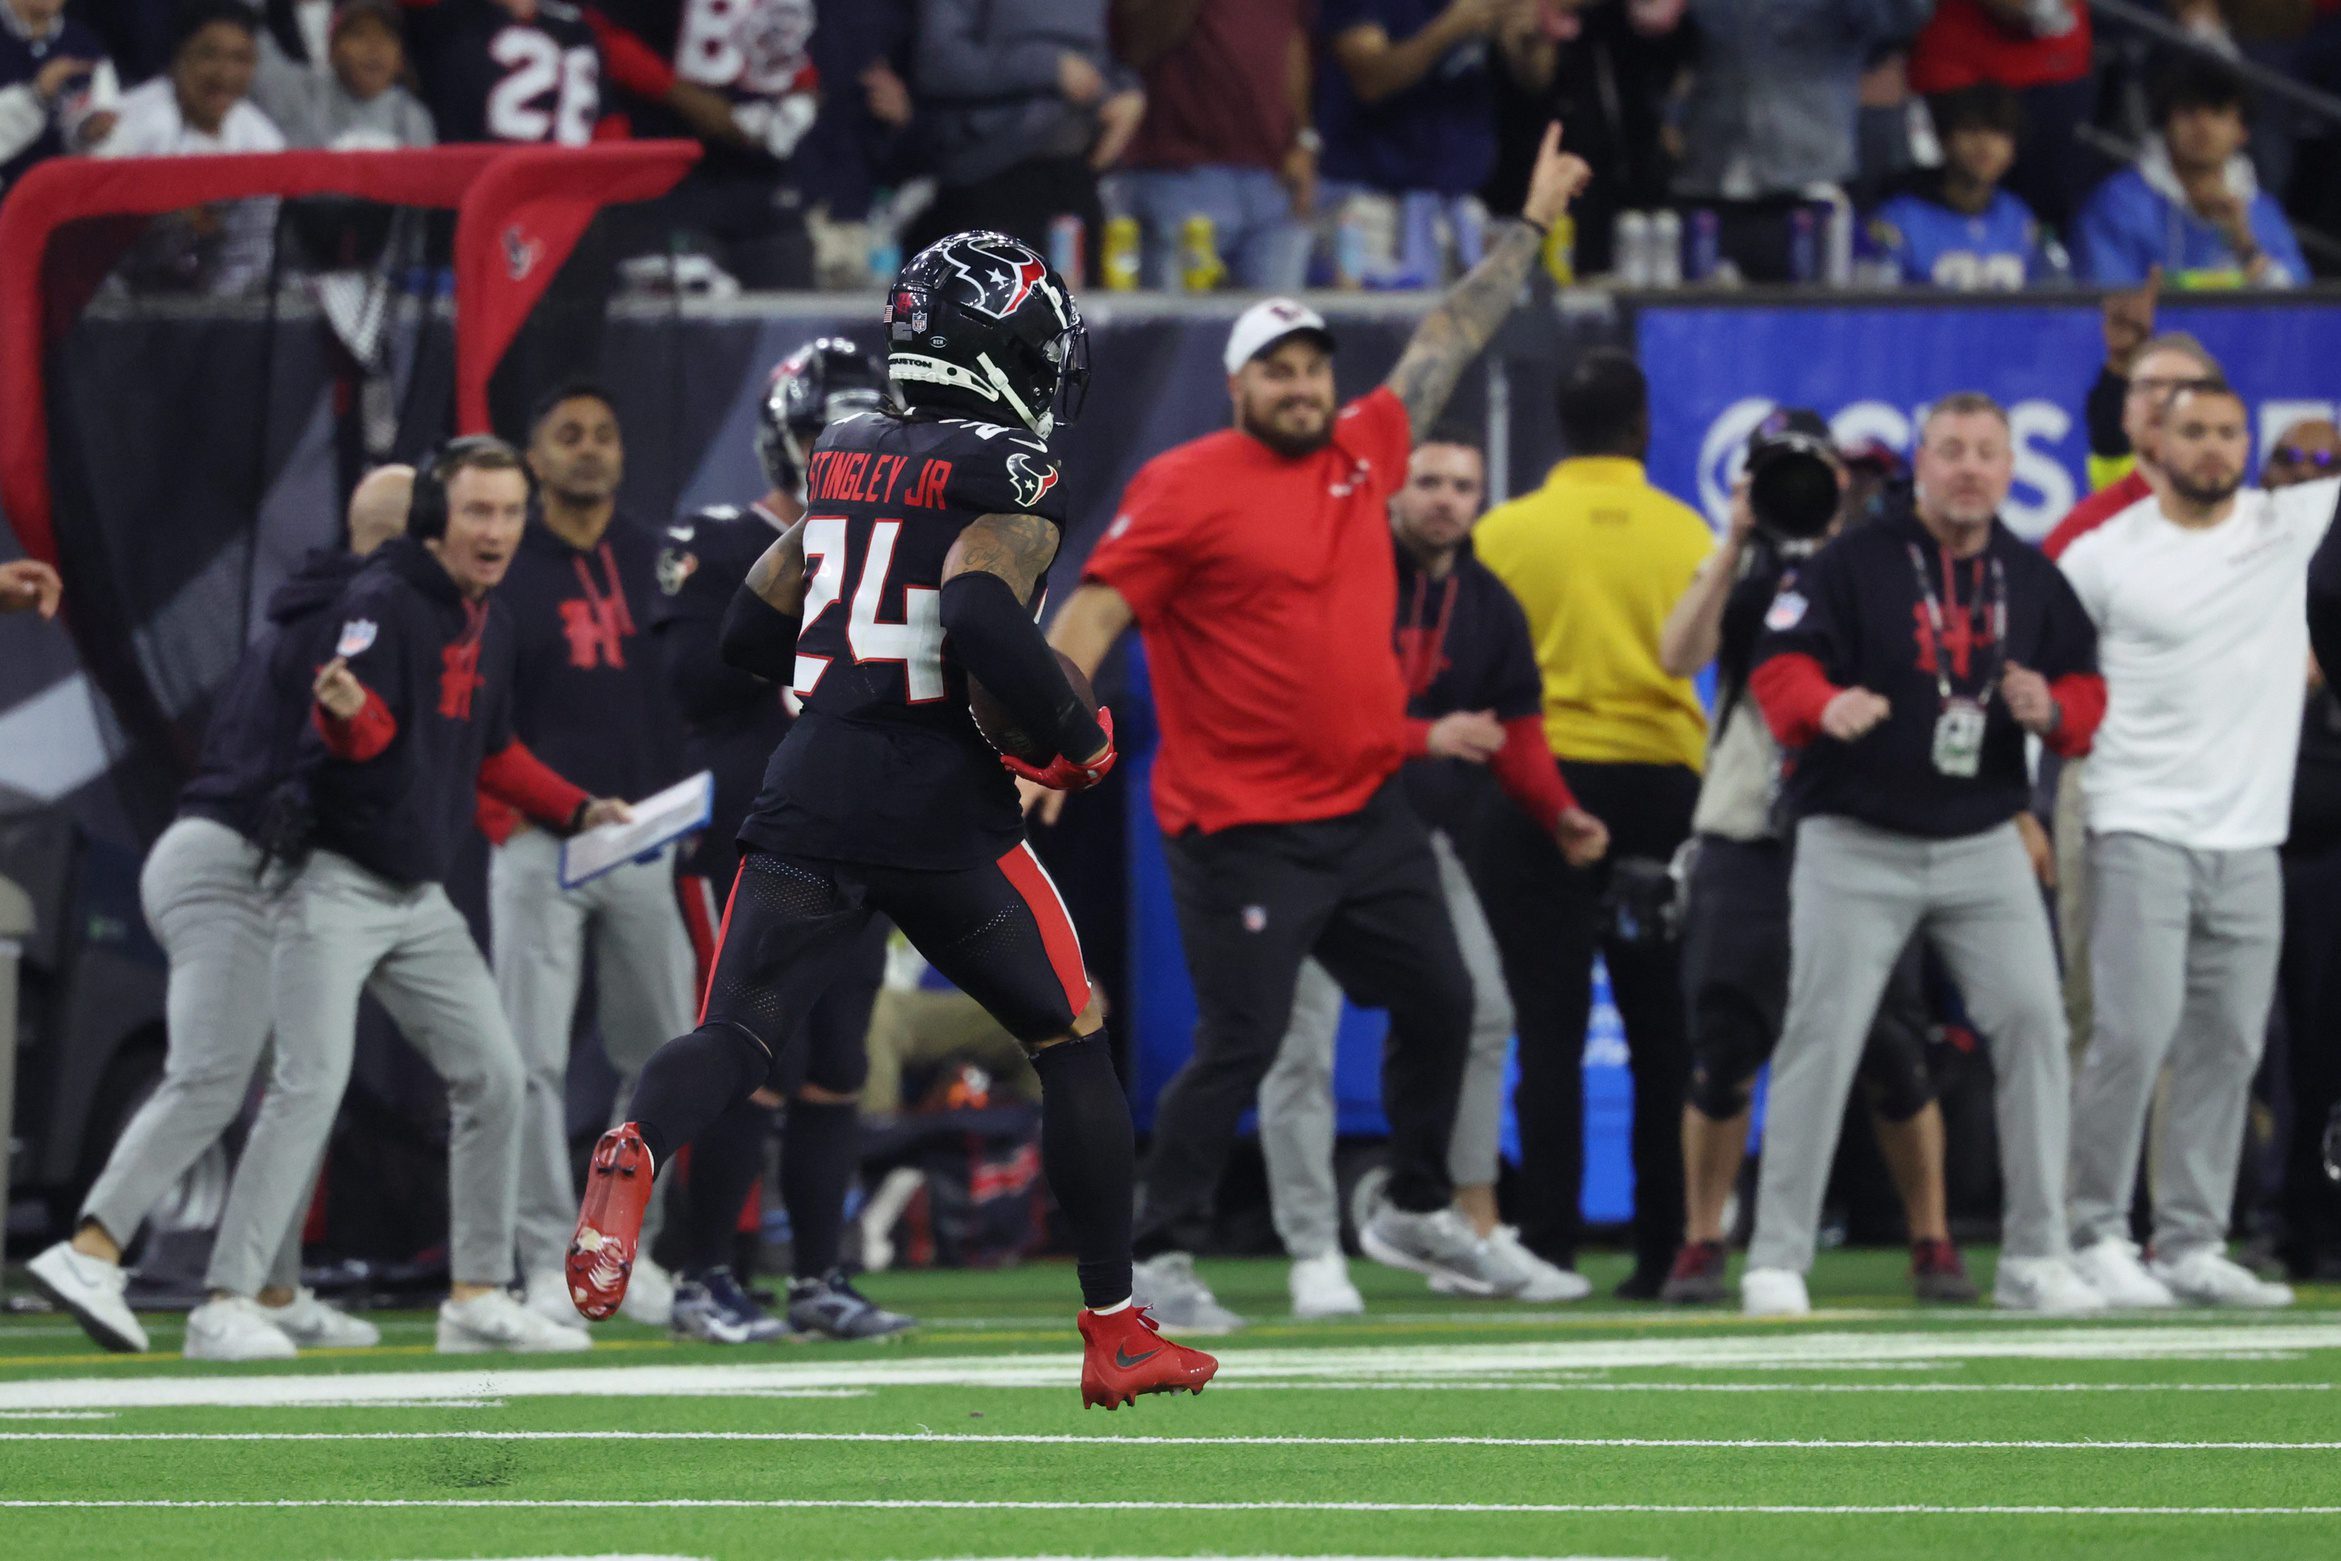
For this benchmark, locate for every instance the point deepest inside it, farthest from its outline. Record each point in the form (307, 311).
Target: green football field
(1428, 1428)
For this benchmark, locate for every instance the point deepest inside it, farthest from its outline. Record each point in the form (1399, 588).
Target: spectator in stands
(1026, 107)
(1598, 558)
(525, 71)
(57, 87)
(356, 102)
(1956, 228)
(738, 79)
(1769, 115)
(2307, 996)
(202, 105)
(1226, 134)
(1604, 71)
(1403, 105)
(2195, 595)
(862, 141)
(2038, 49)
(2191, 203)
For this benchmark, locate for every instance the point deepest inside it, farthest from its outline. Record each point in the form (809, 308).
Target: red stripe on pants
(696, 895)
(715, 955)
(1031, 883)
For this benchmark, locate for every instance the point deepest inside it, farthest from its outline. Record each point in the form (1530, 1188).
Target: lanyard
(1937, 636)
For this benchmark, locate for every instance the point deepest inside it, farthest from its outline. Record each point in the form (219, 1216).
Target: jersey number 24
(916, 641)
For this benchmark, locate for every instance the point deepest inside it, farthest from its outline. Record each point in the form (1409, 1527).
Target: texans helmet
(812, 387)
(979, 323)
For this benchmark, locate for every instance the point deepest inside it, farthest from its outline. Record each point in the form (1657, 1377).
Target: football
(1000, 728)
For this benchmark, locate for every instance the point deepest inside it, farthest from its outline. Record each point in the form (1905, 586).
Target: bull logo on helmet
(1004, 273)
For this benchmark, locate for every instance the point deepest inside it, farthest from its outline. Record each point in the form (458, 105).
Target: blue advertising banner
(1716, 371)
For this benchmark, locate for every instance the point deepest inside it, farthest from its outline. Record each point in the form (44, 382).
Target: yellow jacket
(1598, 558)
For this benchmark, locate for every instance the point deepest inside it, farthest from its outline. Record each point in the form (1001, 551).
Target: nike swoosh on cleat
(1124, 1359)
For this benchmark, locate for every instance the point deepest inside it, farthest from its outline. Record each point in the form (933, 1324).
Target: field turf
(1428, 1428)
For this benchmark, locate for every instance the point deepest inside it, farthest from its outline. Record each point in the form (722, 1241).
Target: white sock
(1122, 1305)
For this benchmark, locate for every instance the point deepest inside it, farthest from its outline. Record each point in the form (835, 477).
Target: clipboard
(659, 820)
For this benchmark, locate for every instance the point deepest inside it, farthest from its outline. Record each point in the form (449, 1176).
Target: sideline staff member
(1598, 558)
(1256, 562)
(1908, 773)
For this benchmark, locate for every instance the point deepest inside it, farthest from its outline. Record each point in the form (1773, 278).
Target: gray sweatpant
(1857, 895)
(642, 997)
(1296, 1098)
(340, 928)
(203, 897)
(2183, 948)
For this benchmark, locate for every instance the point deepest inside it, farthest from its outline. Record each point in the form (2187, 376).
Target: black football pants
(1549, 922)
(1360, 892)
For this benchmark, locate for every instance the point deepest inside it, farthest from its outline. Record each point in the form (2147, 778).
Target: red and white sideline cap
(1268, 322)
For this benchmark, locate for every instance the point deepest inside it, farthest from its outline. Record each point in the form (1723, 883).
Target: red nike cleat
(617, 1190)
(1124, 1354)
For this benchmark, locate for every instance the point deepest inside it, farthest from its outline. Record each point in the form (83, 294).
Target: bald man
(204, 895)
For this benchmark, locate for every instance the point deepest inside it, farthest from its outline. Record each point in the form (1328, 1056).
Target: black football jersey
(491, 77)
(732, 719)
(885, 764)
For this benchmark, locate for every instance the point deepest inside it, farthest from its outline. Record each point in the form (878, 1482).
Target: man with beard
(2195, 595)
(589, 699)
(1256, 563)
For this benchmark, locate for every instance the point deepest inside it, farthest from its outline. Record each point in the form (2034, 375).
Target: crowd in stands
(1270, 144)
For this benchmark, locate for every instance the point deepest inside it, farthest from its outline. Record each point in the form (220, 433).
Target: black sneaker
(831, 1306)
(712, 1308)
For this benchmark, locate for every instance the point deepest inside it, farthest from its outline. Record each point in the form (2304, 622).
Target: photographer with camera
(1796, 494)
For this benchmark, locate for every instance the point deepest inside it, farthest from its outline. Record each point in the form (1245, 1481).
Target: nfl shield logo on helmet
(356, 635)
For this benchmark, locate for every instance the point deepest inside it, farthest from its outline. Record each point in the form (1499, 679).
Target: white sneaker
(1521, 1275)
(1439, 1243)
(2207, 1277)
(546, 1293)
(2112, 1269)
(2049, 1285)
(91, 1290)
(1321, 1287)
(1168, 1286)
(320, 1325)
(235, 1327)
(1773, 1292)
(492, 1320)
(650, 1295)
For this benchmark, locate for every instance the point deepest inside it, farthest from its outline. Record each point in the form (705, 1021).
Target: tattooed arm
(779, 575)
(988, 580)
(1454, 332)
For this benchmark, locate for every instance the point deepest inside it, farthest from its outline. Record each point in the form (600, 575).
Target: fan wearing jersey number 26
(926, 540)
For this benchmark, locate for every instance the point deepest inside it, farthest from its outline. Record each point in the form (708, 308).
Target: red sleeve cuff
(2081, 695)
(521, 779)
(1792, 691)
(1529, 774)
(360, 737)
(494, 819)
(1418, 739)
(631, 63)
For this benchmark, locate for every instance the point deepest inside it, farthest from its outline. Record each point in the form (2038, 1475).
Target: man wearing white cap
(1257, 564)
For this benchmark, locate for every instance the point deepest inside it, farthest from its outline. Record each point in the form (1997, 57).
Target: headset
(426, 511)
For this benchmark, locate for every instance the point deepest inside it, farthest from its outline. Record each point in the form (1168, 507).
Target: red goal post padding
(519, 212)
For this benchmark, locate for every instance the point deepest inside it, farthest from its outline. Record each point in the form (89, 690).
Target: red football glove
(1061, 773)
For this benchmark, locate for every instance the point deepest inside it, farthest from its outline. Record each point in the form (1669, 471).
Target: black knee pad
(1894, 1076)
(1729, 1042)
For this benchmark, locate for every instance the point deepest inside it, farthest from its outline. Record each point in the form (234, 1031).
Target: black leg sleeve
(690, 1082)
(726, 1160)
(819, 1152)
(1088, 1153)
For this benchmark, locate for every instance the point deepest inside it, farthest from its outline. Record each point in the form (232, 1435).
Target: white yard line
(1130, 1443)
(849, 1504)
(1528, 1386)
(1426, 1365)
